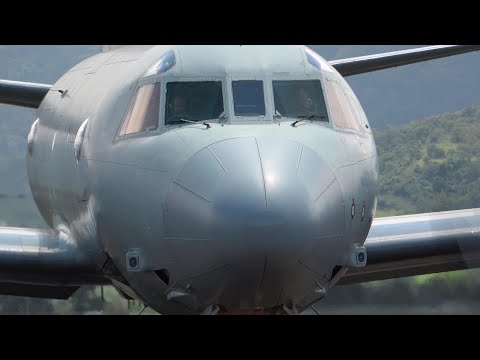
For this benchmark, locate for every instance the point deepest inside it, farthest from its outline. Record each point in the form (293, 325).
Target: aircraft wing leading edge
(370, 63)
(22, 93)
(44, 264)
(420, 244)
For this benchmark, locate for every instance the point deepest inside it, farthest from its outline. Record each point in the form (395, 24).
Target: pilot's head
(179, 104)
(303, 99)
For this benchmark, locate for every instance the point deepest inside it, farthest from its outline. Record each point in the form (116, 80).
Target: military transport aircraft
(216, 179)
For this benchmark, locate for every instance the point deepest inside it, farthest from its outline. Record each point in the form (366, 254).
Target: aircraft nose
(270, 210)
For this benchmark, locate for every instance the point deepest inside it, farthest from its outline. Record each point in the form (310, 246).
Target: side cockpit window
(194, 101)
(300, 99)
(143, 114)
(248, 98)
(341, 107)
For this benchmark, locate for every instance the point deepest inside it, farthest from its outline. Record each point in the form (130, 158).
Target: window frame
(186, 80)
(333, 120)
(267, 95)
(365, 125)
(262, 86)
(145, 132)
(309, 79)
(306, 77)
(163, 127)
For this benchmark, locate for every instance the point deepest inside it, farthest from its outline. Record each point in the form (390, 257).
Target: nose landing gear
(290, 309)
(287, 309)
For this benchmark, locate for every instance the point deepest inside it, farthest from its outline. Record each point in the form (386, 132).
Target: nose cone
(269, 212)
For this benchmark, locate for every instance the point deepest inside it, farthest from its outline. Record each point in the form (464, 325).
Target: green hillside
(430, 165)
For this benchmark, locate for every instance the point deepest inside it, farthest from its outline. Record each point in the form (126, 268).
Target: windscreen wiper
(307, 117)
(196, 122)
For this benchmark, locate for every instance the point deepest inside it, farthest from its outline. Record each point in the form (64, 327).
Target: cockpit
(300, 99)
(165, 100)
(194, 101)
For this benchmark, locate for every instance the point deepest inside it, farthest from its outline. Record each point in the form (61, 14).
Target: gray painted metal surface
(420, 244)
(245, 213)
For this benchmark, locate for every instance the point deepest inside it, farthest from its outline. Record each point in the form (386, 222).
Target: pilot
(179, 105)
(303, 104)
(178, 109)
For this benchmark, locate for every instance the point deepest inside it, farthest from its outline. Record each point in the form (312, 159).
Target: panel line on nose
(300, 158)
(310, 269)
(263, 174)
(191, 191)
(323, 192)
(326, 237)
(218, 160)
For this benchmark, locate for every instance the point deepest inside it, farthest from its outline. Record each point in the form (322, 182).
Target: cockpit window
(340, 106)
(194, 101)
(300, 99)
(249, 98)
(144, 111)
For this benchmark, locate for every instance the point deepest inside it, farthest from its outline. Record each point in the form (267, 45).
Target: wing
(44, 263)
(31, 95)
(420, 244)
(370, 63)
(22, 93)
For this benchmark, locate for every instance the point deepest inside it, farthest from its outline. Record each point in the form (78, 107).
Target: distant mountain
(431, 165)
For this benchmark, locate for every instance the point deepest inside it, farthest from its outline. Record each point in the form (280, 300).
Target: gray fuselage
(242, 212)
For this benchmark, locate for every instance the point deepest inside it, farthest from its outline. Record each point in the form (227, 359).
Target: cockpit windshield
(193, 101)
(248, 98)
(300, 99)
